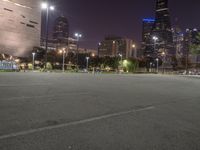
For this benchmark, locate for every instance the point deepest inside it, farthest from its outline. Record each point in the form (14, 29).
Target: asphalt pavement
(63, 111)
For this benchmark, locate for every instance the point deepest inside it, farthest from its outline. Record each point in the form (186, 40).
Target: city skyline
(97, 19)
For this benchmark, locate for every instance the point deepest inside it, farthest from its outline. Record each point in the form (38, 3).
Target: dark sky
(97, 18)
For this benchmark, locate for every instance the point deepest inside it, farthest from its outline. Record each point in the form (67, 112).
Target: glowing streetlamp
(135, 51)
(63, 52)
(151, 66)
(93, 54)
(78, 36)
(87, 65)
(163, 61)
(157, 61)
(47, 7)
(99, 45)
(33, 54)
(155, 39)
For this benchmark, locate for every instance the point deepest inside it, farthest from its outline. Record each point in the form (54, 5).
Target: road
(56, 111)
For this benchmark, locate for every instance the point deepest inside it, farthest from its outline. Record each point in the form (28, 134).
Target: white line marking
(23, 133)
(43, 96)
(23, 85)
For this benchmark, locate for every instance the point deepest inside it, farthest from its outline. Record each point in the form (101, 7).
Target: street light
(151, 66)
(47, 7)
(99, 45)
(78, 36)
(163, 61)
(135, 52)
(157, 61)
(63, 52)
(121, 56)
(93, 55)
(155, 38)
(33, 60)
(87, 65)
(52, 8)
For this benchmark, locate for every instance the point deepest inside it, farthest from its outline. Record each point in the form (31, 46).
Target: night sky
(97, 18)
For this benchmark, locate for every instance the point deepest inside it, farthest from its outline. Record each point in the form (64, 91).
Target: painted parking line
(44, 96)
(24, 85)
(32, 131)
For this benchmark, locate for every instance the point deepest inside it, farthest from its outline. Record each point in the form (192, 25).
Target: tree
(130, 65)
(195, 49)
(49, 66)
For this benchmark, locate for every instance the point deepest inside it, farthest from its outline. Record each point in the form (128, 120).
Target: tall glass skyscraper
(61, 32)
(162, 29)
(20, 26)
(61, 28)
(147, 27)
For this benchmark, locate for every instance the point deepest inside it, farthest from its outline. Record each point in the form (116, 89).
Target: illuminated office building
(20, 26)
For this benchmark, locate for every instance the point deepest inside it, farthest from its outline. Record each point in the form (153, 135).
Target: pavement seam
(32, 131)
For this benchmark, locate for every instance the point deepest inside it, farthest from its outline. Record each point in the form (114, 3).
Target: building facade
(163, 31)
(113, 46)
(147, 27)
(61, 31)
(187, 44)
(192, 45)
(20, 26)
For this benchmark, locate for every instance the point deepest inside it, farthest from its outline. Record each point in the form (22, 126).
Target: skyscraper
(20, 26)
(147, 28)
(61, 31)
(162, 30)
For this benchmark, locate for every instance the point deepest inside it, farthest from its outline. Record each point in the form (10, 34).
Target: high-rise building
(114, 46)
(20, 26)
(191, 45)
(147, 28)
(61, 31)
(178, 39)
(162, 30)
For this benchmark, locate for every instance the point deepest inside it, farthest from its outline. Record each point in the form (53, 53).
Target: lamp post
(121, 56)
(155, 39)
(157, 62)
(47, 7)
(163, 55)
(78, 36)
(151, 66)
(99, 45)
(63, 52)
(135, 52)
(87, 65)
(33, 54)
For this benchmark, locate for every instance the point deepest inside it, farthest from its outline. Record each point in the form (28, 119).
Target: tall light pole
(99, 44)
(63, 52)
(87, 65)
(155, 39)
(135, 51)
(163, 63)
(121, 56)
(157, 62)
(33, 54)
(151, 66)
(47, 7)
(78, 36)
